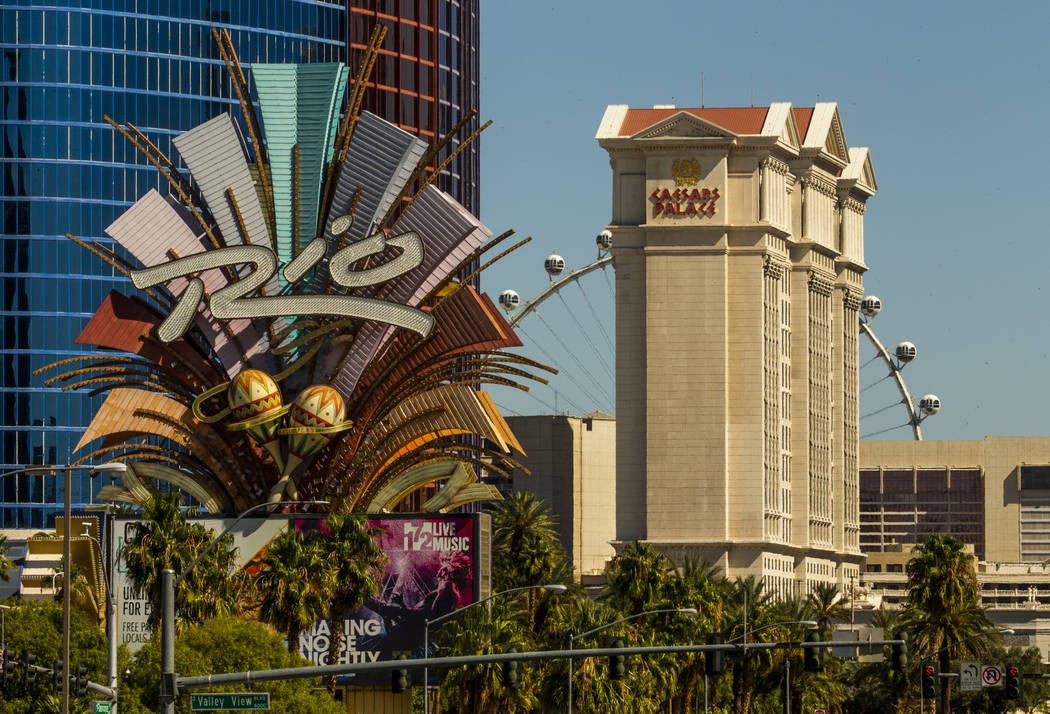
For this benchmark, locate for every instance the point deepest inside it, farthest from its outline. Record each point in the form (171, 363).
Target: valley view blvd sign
(230, 701)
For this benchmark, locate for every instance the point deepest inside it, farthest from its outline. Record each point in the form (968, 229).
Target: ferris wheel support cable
(883, 431)
(597, 319)
(555, 286)
(876, 383)
(612, 290)
(880, 411)
(895, 372)
(576, 360)
(587, 338)
(548, 355)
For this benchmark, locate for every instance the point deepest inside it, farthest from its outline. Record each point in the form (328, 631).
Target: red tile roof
(802, 117)
(739, 120)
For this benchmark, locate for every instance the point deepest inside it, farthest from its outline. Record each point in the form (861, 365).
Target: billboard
(435, 564)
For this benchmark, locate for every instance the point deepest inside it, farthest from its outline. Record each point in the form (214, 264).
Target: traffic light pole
(269, 675)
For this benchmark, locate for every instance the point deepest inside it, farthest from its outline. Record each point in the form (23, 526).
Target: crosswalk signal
(714, 662)
(929, 682)
(399, 677)
(1014, 683)
(813, 660)
(618, 662)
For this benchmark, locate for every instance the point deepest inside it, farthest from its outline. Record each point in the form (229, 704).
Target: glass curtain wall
(63, 65)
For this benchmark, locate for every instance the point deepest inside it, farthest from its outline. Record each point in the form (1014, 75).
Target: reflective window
(64, 64)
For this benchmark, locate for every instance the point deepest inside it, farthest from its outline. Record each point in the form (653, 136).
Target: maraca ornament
(318, 408)
(255, 402)
(314, 418)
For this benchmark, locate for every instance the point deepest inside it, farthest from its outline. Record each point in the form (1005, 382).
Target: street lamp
(112, 467)
(111, 610)
(922, 698)
(691, 611)
(553, 587)
(168, 583)
(3, 626)
(807, 623)
(787, 660)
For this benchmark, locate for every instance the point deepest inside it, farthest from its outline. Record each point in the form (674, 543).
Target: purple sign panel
(431, 570)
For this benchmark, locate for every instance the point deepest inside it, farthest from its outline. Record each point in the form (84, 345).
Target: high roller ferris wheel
(581, 373)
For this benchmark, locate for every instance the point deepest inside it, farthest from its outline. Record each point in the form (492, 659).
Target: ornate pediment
(835, 144)
(780, 122)
(686, 125)
(825, 133)
(859, 172)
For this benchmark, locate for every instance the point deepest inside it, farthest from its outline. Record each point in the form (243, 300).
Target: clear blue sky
(951, 98)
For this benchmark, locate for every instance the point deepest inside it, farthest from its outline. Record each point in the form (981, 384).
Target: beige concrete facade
(1015, 472)
(738, 248)
(572, 464)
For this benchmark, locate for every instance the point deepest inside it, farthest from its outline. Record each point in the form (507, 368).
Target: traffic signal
(56, 677)
(813, 660)
(1014, 683)
(30, 667)
(81, 680)
(399, 677)
(9, 668)
(618, 662)
(511, 675)
(929, 682)
(900, 656)
(713, 661)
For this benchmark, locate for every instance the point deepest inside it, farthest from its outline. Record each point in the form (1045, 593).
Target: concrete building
(993, 494)
(739, 254)
(572, 464)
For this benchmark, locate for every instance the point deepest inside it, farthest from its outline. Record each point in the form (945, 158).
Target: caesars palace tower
(738, 243)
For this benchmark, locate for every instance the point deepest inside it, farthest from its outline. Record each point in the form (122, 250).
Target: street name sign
(103, 707)
(229, 701)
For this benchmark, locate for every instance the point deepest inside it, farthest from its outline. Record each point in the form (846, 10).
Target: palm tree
(355, 565)
(749, 610)
(81, 594)
(5, 562)
(698, 584)
(943, 606)
(166, 539)
(635, 578)
(293, 583)
(825, 604)
(479, 688)
(526, 552)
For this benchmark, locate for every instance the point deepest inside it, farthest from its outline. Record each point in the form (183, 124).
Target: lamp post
(111, 609)
(168, 583)
(112, 467)
(691, 611)
(553, 587)
(922, 698)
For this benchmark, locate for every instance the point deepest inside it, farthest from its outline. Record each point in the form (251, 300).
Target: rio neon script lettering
(232, 302)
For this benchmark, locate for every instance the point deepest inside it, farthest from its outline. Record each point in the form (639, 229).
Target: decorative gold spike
(172, 181)
(240, 84)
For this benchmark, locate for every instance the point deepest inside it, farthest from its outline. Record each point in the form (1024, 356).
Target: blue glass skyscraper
(64, 64)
